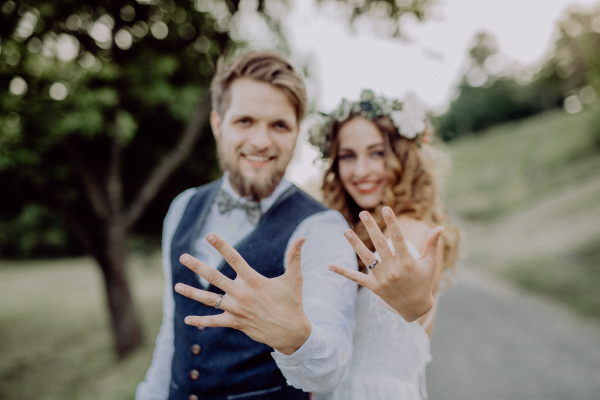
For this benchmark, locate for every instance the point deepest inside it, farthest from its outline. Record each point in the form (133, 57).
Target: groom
(277, 323)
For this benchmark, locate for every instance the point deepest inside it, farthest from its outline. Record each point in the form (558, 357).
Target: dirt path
(492, 341)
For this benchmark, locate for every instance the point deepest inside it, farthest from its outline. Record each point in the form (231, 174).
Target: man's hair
(261, 66)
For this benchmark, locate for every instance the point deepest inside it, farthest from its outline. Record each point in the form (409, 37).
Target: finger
(224, 320)
(355, 276)
(431, 245)
(395, 233)
(359, 247)
(294, 258)
(232, 257)
(208, 298)
(379, 241)
(209, 273)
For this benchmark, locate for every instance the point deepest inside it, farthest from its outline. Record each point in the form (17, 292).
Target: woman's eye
(378, 154)
(346, 157)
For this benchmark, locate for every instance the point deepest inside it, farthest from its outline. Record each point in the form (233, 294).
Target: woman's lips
(367, 187)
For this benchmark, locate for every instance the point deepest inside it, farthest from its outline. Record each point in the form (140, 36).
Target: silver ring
(218, 303)
(373, 264)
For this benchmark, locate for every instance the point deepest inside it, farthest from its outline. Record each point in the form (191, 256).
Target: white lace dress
(389, 356)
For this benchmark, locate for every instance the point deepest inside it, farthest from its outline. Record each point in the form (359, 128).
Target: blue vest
(224, 363)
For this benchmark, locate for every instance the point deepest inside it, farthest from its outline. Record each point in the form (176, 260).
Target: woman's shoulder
(414, 230)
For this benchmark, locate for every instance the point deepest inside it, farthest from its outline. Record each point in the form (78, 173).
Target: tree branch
(114, 185)
(169, 164)
(90, 183)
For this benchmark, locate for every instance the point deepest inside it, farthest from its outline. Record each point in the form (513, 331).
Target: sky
(430, 64)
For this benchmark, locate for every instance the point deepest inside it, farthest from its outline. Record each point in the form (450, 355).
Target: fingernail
(188, 320)
(331, 268)
(363, 215)
(210, 237)
(387, 212)
(348, 234)
(184, 258)
(179, 288)
(301, 243)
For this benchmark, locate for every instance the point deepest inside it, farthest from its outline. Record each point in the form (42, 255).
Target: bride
(381, 178)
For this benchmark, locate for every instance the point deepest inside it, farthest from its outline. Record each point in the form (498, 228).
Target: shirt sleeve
(323, 361)
(158, 378)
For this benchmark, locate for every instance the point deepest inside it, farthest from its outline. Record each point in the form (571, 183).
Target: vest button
(194, 374)
(196, 349)
(193, 397)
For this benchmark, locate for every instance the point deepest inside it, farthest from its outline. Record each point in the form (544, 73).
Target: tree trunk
(126, 325)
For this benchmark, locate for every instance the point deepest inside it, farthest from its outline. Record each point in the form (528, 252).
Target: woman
(378, 163)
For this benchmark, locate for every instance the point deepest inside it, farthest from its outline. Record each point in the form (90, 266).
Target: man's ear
(215, 124)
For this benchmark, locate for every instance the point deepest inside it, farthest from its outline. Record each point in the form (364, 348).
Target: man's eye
(281, 126)
(244, 121)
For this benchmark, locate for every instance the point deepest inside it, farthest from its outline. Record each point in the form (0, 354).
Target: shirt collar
(265, 203)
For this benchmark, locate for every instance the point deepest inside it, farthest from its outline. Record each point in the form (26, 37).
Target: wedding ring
(373, 264)
(218, 304)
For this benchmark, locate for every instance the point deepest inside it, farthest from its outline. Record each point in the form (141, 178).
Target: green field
(54, 337)
(526, 195)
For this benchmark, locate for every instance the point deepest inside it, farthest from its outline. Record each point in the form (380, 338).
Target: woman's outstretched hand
(403, 282)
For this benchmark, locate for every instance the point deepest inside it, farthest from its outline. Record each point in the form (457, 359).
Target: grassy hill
(527, 195)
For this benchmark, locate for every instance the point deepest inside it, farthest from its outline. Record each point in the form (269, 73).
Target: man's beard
(254, 190)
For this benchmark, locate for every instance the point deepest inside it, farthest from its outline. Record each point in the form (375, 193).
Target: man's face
(255, 137)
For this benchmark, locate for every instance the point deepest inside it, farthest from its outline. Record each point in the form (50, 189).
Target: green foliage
(570, 75)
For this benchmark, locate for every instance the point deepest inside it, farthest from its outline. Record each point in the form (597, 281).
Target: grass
(510, 166)
(54, 336)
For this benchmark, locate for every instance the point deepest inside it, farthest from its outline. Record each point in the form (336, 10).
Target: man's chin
(253, 187)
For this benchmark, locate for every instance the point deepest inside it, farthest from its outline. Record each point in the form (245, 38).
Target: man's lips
(257, 160)
(367, 187)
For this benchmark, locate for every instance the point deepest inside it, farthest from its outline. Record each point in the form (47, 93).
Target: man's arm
(158, 378)
(323, 361)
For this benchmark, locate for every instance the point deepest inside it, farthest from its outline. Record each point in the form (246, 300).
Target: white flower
(411, 120)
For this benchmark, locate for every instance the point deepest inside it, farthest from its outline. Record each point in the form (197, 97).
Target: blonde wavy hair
(411, 190)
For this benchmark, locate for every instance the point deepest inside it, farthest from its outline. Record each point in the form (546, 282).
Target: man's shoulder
(301, 196)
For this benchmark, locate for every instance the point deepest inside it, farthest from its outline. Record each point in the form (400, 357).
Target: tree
(105, 101)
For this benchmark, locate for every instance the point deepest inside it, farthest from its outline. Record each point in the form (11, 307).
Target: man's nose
(261, 137)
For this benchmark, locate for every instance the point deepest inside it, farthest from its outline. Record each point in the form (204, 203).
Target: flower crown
(408, 117)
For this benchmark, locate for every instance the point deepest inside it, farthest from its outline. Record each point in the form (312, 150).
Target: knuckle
(213, 276)
(212, 323)
(379, 241)
(397, 236)
(233, 258)
(297, 256)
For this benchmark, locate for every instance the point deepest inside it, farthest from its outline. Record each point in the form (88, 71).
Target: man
(292, 328)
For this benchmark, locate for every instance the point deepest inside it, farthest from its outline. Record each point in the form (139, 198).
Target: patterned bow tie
(226, 203)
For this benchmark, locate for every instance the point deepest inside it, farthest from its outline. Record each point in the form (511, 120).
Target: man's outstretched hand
(268, 310)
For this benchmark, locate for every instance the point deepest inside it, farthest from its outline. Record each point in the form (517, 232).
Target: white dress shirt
(322, 362)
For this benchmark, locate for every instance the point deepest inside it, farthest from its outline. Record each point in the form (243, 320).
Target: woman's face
(361, 161)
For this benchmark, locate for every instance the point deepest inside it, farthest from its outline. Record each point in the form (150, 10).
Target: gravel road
(494, 342)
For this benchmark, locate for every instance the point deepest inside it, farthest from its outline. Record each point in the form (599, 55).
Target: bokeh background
(103, 121)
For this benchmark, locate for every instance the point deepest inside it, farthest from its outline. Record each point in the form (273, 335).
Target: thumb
(431, 245)
(294, 258)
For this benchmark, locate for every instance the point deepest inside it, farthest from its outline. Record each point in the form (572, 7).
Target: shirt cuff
(307, 351)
